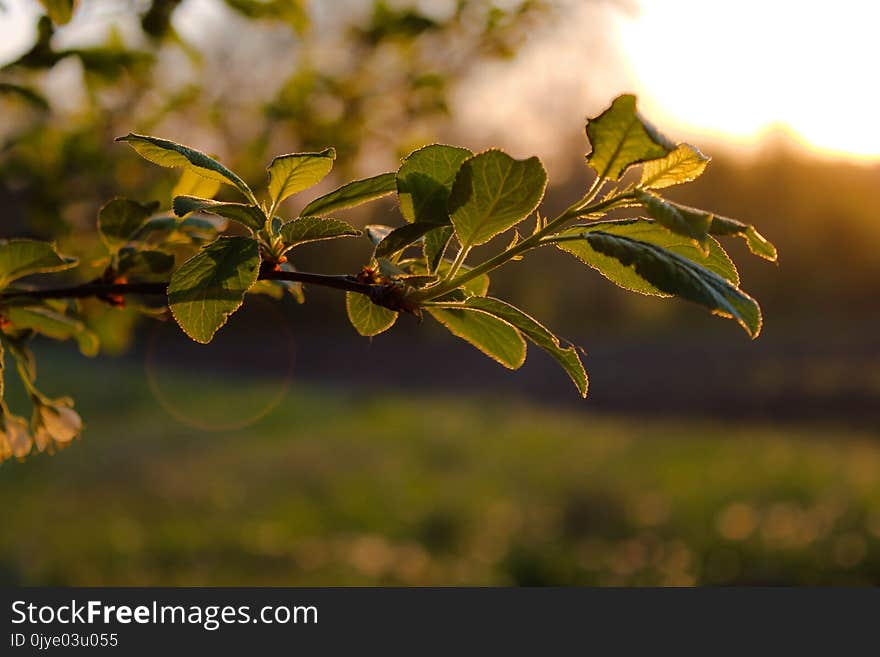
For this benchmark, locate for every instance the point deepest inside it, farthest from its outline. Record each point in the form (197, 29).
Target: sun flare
(737, 70)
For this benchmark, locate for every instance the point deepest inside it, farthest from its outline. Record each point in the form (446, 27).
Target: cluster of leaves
(53, 423)
(451, 201)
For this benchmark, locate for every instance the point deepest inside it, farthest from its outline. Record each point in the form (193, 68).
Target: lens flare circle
(182, 374)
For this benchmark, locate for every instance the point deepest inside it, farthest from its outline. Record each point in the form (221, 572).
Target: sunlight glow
(738, 69)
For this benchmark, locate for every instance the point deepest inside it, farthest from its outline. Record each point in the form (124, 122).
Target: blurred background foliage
(698, 458)
(371, 79)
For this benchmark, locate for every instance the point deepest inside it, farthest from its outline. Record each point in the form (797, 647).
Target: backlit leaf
(192, 184)
(402, 237)
(620, 138)
(645, 230)
(202, 227)
(314, 229)
(247, 215)
(494, 337)
(678, 276)
(366, 317)
(424, 182)
(436, 242)
(53, 324)
(144, 264)
(211, 285)
(680, 219)
(154, 225)
(757, 243)
(567, 357)
(682, 165)
(353, 194)
(170, 154)
(493, 192)
(120, 219)
(21, 257)
(290, 174)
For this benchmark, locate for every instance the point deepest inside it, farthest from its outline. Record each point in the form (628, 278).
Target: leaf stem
(575, 211)
(592, 192)
(557, 239)
(272, 209)
(457, 263)
(249, 195)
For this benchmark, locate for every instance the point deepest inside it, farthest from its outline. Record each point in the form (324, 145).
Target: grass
(358, 488)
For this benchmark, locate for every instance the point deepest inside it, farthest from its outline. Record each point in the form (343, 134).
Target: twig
(97, 289)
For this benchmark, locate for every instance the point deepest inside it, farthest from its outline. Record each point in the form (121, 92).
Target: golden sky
(735, 69)
(719, 73)
(705, 70)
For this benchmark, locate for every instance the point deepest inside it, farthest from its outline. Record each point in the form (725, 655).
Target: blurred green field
(359, 488)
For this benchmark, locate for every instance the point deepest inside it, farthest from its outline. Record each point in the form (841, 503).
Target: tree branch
(97, 289)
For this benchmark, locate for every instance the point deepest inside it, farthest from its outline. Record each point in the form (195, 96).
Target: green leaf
(682, 165)
(644, 230)
(144, 264)
(367, 318)
(352, 194)
(436, 242)
(680, 219)
(493, 192)
(120, 219)
(567, 357)
(202, 226)
(60, 11)
(54, 325)
(620, 138)
(162, 224)
(289, 174)
(211, 285)
(23, 257)
(494, 337)
(757, 243)
(170, 154)
(676, 275)
(192, 184)
(424, 182)
(402, 237)
(314, 229)
(248, 215)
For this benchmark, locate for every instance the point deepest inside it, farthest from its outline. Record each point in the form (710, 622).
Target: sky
(737, 69)
(728, 72)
